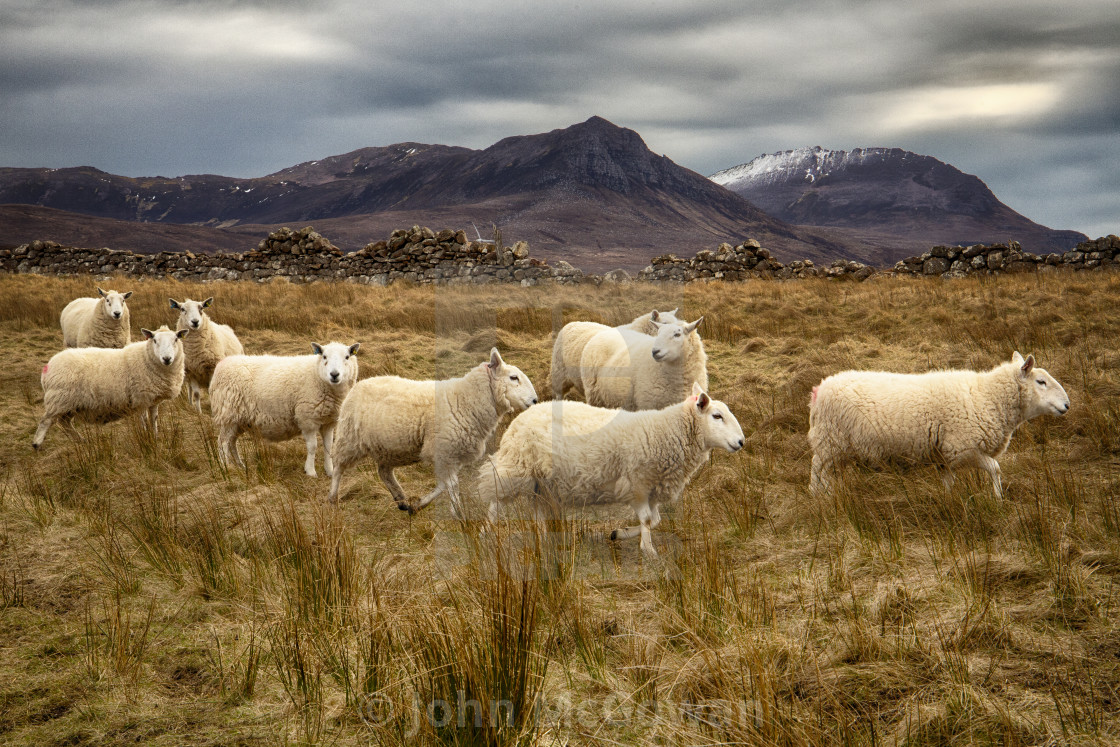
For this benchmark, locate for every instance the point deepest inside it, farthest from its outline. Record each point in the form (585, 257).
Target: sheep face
(672, 339)
(1042, 394)
(335, 365)
(719, 426)
(113, 303)
(513, 391)
(164, 346)
(191, 314)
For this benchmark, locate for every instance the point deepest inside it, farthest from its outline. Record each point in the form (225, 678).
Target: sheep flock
(647, 425)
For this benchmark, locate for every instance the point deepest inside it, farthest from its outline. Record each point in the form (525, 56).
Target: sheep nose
(334, 375)
(116, 315)
(535, 400)
(195, 324)
(167, 360)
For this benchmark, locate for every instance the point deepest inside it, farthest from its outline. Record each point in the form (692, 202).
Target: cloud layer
(1024, 94)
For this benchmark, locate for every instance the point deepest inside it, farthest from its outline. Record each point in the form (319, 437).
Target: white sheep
(398, 422)
(208, 344)
(576, 454)
(97, 322)
(105, 384)
(281, 397)
(572, 338)
(627, 369)
(948, 418)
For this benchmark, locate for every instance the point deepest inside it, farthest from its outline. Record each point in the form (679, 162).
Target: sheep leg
(153, 418)
(196, 396)
(820, 481)
(311, 438)
(442, 484)
(989, 465)
(327, 432)
(336, 478)
(456, 499)
(390, 481)
(41, 432)
(632, 532)
(227, 446)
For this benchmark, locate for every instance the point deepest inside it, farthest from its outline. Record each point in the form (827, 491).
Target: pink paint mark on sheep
(45, 367)
(813, 396)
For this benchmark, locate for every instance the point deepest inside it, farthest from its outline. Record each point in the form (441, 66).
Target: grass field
(147, 596)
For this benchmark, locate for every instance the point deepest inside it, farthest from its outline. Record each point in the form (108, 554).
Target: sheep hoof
(34, 446)
(614, 534)
(406, 507)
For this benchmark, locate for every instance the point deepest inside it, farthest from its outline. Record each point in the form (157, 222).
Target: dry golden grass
(149, 596)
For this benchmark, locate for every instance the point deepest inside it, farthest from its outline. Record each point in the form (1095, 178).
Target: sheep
(105, 384)
(281, 397)
(580, 455)
(209, 343)
(97, 322)
(572, 338)
(948, 418)
(446, 423)
(633, 371)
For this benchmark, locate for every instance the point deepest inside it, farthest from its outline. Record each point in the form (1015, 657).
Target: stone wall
(418, 254)
(992, 259)
(424, 256)
(745, 261)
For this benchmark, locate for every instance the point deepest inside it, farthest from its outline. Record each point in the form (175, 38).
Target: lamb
(97, 322)
(572, 338)
(105, 384)
(948, 418)
(399, 422)
(580, 455)
(209, 343)
(633, 371)
(282, 397)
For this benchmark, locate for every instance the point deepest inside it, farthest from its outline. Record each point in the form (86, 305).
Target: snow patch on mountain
(805, 164)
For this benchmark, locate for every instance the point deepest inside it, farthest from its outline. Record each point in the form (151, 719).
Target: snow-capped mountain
(885, 190)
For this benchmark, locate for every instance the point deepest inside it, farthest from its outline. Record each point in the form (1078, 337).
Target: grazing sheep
(207, 345)
(105, 384)
(97, 322)
(580, 455)
(398, 422)
(572, 339)
(633, 371)
(282, 397)
(950, 418)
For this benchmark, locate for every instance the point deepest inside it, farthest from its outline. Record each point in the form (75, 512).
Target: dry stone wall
(992, 259)
(418, 254)
(424, 256)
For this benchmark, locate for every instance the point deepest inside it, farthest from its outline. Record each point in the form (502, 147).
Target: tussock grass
(149, 594)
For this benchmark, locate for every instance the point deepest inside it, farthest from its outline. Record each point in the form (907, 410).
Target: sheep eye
(1042, 382)
(717, 416)
(514, 378)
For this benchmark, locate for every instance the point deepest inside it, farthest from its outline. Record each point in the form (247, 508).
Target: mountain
(886, 195)
(592, 193)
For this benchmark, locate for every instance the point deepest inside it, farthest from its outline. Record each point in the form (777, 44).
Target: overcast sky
(1023, 93)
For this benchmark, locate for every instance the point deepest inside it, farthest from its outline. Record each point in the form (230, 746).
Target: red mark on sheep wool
(813, 396)
(45, 367)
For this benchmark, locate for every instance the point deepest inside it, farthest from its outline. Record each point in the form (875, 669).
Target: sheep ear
(148, 334)
(354, 348)
(207, 302)
(100, 292)
(702, 401)
(495, 359)
(1028, 365)
(674, 311)
(128, 295)
(697, 390)
(653, 317)
(689, 328)
(316, 348)
(1016, 358)
(174, 303)
(182, 333)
